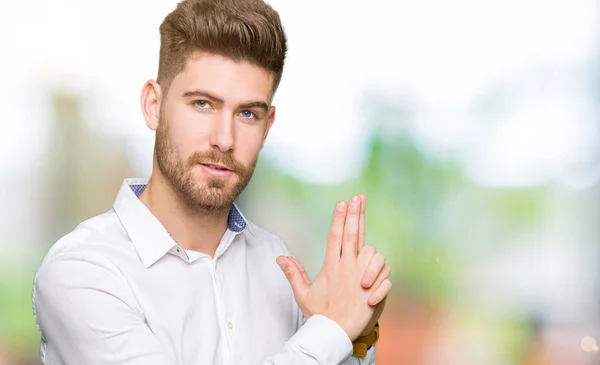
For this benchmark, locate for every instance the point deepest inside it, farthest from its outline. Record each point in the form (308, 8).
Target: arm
(341, 289)
(319, 340)
(87, 315)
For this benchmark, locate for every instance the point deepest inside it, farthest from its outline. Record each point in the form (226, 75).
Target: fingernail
(341, 206)
(373, 300)
(281, 262)
(355, 200)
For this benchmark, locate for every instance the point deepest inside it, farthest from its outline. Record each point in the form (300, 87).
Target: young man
(174, 273)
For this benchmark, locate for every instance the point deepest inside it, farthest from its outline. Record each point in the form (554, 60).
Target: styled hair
(241, 30)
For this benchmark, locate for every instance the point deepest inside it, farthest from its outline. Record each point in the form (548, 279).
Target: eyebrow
(205, 94)
(255, 104)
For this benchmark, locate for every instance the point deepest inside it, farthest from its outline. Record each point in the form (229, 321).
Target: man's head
(220, 64)
(241, 30)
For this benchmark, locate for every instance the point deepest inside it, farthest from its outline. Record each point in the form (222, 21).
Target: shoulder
(94, 237)
(80, 266)
(88, 250)
(78, 282)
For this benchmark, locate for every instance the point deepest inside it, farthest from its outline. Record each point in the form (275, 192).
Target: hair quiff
(242, 30)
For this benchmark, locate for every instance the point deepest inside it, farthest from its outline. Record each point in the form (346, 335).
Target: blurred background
(472, 126)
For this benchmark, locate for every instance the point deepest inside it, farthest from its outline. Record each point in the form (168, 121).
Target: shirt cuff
(370, 358)
(322, 339)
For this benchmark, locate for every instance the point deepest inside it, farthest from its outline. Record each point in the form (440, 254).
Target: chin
(212, 200)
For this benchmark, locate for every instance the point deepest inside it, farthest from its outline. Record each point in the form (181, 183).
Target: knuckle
(372, 274)
(367, 250)
(379, 257)
(388, 285)
(290, 273)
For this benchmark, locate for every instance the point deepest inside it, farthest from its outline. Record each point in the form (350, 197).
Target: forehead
(234, 81)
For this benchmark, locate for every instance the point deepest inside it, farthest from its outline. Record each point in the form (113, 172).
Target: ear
(270, 122)
(150, 100)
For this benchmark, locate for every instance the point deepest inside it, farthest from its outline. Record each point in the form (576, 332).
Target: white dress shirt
(119, 290)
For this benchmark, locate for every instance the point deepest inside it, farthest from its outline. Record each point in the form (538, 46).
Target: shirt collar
(150, 238)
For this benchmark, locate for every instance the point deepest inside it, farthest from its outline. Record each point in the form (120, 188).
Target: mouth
(215, 169)
(216, 166)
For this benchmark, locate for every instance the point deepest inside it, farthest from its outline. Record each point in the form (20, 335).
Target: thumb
(294, 276)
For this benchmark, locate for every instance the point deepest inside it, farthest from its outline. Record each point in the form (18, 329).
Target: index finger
(361, 221)
(350, 237)
(334, 241)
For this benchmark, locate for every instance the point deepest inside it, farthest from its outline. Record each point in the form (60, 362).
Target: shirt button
(178, 250)
(230, 325)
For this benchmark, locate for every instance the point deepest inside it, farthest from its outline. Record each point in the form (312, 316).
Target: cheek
(248, 145)
(188, 134)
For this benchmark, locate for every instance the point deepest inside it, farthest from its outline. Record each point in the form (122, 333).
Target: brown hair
(242, 30)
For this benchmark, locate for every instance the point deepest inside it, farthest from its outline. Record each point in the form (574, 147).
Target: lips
(216, 166)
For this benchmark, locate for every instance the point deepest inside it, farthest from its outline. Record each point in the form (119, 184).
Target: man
(174, 273)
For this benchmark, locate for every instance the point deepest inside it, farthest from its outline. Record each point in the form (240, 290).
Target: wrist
(345, 325)
(362, 344)
(369, 329)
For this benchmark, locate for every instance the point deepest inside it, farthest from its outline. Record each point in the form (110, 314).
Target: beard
(216, 193)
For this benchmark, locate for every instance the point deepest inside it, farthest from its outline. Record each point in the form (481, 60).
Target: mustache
(215, 157)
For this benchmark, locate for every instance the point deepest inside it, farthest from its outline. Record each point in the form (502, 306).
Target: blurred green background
(472, 127)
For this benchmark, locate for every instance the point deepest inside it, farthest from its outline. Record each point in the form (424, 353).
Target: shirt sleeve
(367, 360)
(319, 340)
(85, 311)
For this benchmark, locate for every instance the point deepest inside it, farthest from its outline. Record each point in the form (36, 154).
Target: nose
(222, 134)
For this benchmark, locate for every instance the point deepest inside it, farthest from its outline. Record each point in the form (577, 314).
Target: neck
(192, 228)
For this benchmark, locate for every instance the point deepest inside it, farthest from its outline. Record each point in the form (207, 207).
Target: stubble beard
(214, 193)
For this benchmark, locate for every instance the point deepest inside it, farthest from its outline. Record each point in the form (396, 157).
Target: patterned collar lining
(236, 221)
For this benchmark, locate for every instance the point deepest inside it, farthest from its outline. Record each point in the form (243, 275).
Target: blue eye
(247, 114)
(202, 104)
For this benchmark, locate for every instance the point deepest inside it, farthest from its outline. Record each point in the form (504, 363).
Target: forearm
(318, 341)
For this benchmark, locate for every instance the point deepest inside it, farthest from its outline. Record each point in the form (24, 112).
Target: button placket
(222, 311)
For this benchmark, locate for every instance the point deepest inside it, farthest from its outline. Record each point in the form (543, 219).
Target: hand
(335, 293)
(379, 296)
(377, 272)
(383, 278)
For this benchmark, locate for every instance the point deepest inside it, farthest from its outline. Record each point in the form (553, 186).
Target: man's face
(213, 122)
